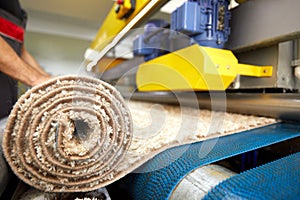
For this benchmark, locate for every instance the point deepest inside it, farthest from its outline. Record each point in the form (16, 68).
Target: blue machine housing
(206, 21)
(154, 41)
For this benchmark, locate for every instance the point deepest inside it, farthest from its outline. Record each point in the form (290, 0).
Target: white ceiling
(73, 18)
(91, 10)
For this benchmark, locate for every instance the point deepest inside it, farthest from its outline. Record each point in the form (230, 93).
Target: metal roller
(199, 182)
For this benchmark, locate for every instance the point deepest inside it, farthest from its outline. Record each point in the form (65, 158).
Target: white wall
(58, 55)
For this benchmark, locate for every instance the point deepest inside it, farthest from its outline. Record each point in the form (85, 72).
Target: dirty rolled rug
(68, 135)
(76, 134)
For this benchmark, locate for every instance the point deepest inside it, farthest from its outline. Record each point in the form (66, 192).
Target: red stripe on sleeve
(11, 30)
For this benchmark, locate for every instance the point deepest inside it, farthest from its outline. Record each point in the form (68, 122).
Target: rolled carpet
(68, 135)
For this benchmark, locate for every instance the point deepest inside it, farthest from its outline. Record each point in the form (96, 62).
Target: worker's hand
(41, 79)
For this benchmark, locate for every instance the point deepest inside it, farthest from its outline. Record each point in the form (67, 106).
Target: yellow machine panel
(113, 25)
(195, 68)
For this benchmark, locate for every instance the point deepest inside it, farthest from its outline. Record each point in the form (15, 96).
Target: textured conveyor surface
(276, 180)
(159, 184)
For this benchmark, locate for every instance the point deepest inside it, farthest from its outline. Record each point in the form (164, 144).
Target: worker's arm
(27, 57)
(14, 66)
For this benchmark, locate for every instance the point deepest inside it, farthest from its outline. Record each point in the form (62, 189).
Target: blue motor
(154, 41)
(206, 21)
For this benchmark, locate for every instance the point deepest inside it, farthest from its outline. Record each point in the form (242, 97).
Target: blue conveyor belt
(159, 184)
(276, 180)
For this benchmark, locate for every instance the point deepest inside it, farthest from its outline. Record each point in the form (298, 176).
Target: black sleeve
(12, 6)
